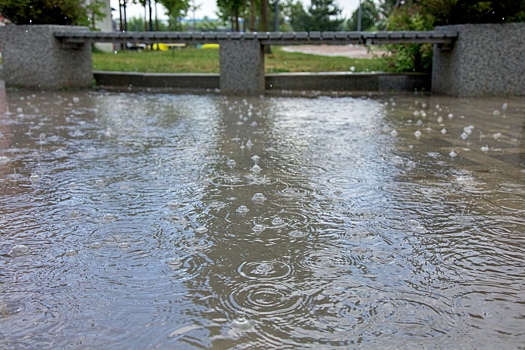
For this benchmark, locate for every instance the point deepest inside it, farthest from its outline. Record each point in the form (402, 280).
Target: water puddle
(182, 221)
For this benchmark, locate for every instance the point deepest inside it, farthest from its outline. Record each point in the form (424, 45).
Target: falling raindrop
(258, 228)
(241, 323)
(174, 263)
(504, 106)
(440, 120)
(452, 154)
(123, 245)
(496, 136)
(443, 131)
(393, 133)
(242, 209)
(19, 250)
(71, 252)
(450, 116)
(95, 245)
(484, 148)
(201, 229)
(417, 134)
(258, 198)
(256, 169)
(277, 221)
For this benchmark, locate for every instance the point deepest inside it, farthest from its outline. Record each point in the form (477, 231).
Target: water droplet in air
(450, 116)
(496, 112)
(452, 154)
(19, 250)
(484, 148)
(393, 133)
(72, 252)
(417, 134)
(201, 229)
(504, 106)
(496, 136)
(231, 163)
(174, 263)
(443, 131)
(440, 120)
(242, 209)
(241, 323)
(258, 198)
(95, 245)
(109, 218)
(258, 228)
(297, 234)
(277, 221)
(256, 169)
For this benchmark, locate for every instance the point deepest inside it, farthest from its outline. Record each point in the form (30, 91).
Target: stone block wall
(486, 60)
(34, 58)
(242, 67)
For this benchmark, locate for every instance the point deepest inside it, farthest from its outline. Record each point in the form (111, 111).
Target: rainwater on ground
(158, 221)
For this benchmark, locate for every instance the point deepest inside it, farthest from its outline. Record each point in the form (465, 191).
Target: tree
(322, 15)
(426, 14)
(370, 17)
(474, 11)
(175, 10)
(62, 12)
(231, 11)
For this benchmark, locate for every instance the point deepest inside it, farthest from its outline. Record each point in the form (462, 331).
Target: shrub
(64, 12)
(410, 57)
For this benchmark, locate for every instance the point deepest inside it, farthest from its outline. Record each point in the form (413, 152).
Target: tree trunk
(252, 15)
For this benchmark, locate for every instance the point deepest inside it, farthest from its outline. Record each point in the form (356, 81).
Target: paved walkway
(352, 51)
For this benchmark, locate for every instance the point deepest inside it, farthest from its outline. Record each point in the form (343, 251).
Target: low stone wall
(326, 82)
(33, 58)
(486, 60)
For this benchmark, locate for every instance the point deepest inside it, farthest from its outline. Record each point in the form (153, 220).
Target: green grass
(193, 60)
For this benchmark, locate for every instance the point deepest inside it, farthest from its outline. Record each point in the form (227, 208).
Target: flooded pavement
(163, 221)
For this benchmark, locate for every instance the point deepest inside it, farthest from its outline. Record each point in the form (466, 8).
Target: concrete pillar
(242, 67)
(486, 60)
(34, 58)
(105, 25)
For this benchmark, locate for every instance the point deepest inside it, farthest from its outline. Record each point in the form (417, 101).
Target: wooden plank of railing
(266, 38)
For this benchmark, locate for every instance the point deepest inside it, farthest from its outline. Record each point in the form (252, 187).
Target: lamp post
(359, 17)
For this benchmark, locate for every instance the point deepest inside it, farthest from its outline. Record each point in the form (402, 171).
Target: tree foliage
(175, 10)
(370, 17)
(321, 15)
(426, 14)
(62, 12)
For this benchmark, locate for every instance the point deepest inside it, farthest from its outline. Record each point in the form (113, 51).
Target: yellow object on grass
(161, 47)
(210, 46)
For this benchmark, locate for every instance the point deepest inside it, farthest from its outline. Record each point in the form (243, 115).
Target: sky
(209, 7)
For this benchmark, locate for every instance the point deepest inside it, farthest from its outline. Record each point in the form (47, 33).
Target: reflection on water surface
(160, 221)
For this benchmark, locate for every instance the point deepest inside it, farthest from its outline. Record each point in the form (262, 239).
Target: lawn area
(194, 60)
